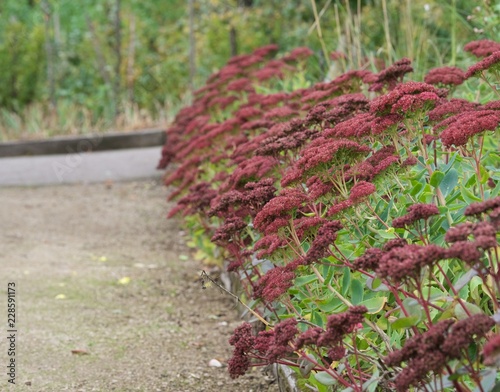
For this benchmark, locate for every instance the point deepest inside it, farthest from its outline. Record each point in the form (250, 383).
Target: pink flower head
(323, 151)
(463, 126)
(401, 263)
(451, 76)
(232, 227)
(445, 108)
(337, 208)
(280, 113)
(406, 97)
(267, 73)
(491, 351)
(355, 127)
(282, 206)
(298, 54)
(392, 75)
(414, 214)
(423, 354)
(268, 245)
(242, 84)
(266, 50)
(327, 234)
(476, 209)
(284, 334)
(464, 333)
(274, 284)
(361, 190)
(341, 324)
(369, 260)
(492, 62)
(482, 48)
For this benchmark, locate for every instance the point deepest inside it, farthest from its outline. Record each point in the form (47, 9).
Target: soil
(107, 296)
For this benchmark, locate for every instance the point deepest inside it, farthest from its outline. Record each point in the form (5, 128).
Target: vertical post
(118, 52)
(192, 46)
(131, 60)
(49, 52)
(233, 42)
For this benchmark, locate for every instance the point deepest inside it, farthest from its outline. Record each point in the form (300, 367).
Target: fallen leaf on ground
(124, 280)
(79, 351)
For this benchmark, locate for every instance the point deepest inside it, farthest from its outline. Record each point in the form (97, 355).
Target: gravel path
(107, 296)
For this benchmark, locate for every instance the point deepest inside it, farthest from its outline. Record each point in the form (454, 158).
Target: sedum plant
(360, 214)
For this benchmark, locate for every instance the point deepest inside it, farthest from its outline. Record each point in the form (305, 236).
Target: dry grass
(39, 121)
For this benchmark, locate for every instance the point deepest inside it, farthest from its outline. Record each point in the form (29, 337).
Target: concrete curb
(84, 143)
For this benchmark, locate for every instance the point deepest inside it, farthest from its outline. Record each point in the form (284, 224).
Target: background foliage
(70, 67)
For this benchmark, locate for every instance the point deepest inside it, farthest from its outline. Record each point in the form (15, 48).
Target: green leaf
(388, 234)
(468, 196)
(324, 378)
(436, 178)
(449, 182)
(303, 280)
(374, 305)
(416, 189)
(375, 284)
(462, 314)
(405, 322)
(464, 279)
(346, 281)
(356, 292)
(412, 307)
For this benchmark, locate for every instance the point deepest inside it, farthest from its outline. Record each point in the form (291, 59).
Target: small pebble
(214, 363)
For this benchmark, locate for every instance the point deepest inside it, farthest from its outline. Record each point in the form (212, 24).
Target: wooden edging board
(84, 143)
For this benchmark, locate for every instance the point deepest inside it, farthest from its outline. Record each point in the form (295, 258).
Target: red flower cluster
(274, 283)
(492, 62)
(405, 98)
(445, 108)
(391, 76)
(404, 262)
(337, 327)
(482, 207)
(414, 214)
(482, 48)
(278, 211)
(327, 234)
(448, 76)
(431, 350)
(461, 127)
(323, 151)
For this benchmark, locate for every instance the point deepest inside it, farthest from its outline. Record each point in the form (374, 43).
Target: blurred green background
(70, 67)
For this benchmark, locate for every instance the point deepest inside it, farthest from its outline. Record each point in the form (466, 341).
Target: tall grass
(39, 121)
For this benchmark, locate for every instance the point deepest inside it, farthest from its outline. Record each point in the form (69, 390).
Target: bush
(360, 214)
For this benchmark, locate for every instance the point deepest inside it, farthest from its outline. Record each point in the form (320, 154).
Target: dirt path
(101, 272)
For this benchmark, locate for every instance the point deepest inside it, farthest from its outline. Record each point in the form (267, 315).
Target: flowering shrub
(361, 215)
